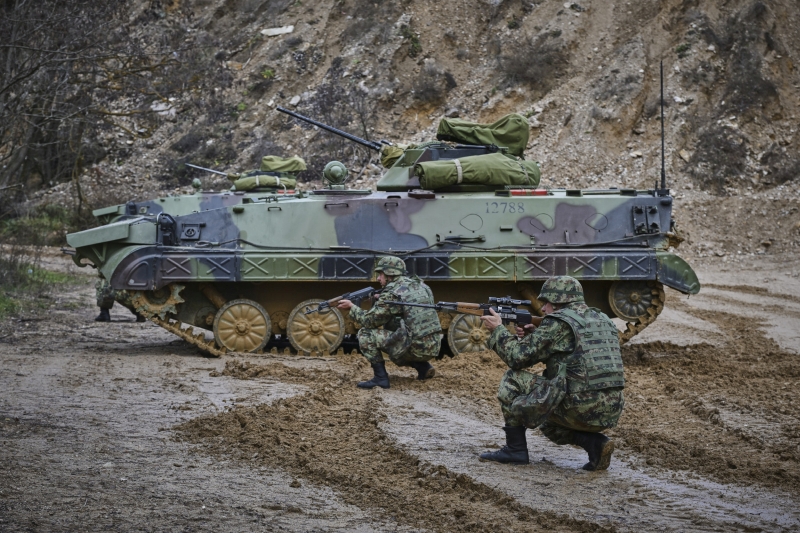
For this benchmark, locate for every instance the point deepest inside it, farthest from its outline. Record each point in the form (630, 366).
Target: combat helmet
(391, 266)
(561, 290)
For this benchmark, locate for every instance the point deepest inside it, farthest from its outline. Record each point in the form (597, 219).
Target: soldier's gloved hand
(491, 321)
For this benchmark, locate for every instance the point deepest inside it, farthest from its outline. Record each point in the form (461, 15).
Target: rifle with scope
(505, 307)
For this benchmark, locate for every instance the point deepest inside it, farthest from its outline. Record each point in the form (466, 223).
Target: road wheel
(242, 326)
(321, 331)
(467, 334)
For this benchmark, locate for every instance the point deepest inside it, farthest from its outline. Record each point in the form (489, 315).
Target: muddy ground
(121, 427)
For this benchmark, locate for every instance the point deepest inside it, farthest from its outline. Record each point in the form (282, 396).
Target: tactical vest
(420, 321)
(596, 362)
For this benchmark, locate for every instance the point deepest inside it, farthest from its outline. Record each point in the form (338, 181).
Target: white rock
(272, 32)
(294, 101)
(164, 109)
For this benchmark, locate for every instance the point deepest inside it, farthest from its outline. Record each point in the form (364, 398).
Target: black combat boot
(104, 315)
(598, 446)
(139, 318)
(380, 379)
(515, 451)
(424, 370)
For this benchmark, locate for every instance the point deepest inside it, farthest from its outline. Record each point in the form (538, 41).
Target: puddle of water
(623, 496)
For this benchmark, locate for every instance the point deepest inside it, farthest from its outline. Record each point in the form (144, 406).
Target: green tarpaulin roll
(490, 169)
(512, 131)
(251, 182)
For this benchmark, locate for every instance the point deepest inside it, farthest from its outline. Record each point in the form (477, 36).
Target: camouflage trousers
(106, 296)
(522, 395)
(104, 293)
(401, 347)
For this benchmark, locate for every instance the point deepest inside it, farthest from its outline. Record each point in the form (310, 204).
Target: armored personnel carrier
(234, 271)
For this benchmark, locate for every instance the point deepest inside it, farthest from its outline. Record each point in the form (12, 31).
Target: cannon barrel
(359, 140)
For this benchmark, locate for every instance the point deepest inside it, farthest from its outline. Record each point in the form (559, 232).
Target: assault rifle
(356, 297)
(505, 307)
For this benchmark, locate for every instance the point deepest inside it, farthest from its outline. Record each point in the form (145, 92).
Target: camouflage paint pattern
(468, 244)
(222, 237)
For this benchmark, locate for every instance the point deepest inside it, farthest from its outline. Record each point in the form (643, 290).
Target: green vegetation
(24, 285)
(267, 73)
(8, 306)
(45, 227)
(683, 49)
(414, 46)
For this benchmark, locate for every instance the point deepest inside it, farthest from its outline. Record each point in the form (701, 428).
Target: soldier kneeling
(411, 336)
(580, 393)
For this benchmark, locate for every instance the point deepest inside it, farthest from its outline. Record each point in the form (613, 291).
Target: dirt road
(121, 427)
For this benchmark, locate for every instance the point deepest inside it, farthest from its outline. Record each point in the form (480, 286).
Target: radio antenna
(663, 191)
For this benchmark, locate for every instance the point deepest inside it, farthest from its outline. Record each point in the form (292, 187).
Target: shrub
(537, 63)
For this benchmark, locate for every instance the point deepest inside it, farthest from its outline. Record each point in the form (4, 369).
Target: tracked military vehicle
(234, 271)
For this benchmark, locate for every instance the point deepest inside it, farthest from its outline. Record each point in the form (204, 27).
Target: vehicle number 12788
(505, 207)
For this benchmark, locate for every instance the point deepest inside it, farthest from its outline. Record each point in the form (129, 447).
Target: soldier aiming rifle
(411, 336)
(580, 393)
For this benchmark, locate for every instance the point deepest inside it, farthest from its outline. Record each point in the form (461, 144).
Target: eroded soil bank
(121, 427)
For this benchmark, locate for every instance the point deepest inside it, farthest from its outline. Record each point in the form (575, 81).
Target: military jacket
(419, 321)
(581, 337)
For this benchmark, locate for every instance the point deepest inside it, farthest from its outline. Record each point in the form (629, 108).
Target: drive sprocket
(653, 295)
(160, 303)
(157, 306)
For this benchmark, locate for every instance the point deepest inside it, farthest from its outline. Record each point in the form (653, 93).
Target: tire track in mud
(724, 412)
(332, 437)
(750, 289)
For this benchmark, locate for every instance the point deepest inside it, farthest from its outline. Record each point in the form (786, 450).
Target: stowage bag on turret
(512, 131)
(491, 169)
(273, 163)
(247, 183)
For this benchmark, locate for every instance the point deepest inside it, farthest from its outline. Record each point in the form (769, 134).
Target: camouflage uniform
(580, 393)
(522, 392)
(104, 293)
(106, 296)
(409, 334)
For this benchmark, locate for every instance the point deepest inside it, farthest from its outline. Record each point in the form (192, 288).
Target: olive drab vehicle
(246, 266)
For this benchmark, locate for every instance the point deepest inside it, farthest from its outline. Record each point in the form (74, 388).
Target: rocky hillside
(586, 74)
